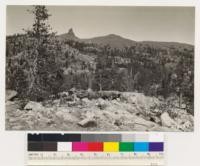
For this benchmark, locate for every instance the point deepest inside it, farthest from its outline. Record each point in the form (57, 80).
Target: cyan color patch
(141, 146)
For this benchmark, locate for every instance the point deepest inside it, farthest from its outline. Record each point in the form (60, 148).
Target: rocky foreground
(124, 112)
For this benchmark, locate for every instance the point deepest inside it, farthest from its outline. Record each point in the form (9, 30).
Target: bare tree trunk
(90, 81)
(180, 99)
(100, 83)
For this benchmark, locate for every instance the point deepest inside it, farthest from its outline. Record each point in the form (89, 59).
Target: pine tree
(43, 71)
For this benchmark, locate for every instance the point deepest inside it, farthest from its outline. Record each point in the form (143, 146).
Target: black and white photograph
(99, 68)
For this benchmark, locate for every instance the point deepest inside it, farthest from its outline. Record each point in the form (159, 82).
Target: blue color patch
(141, 146)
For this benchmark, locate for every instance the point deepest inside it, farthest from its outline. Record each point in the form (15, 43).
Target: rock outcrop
(111, 111)
(35, 106)
(10, 94)
(167, 121)
(88, 122)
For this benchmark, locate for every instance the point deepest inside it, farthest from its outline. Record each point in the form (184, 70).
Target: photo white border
(175, 141)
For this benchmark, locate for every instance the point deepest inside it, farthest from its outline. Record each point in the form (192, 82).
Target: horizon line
(58, 34)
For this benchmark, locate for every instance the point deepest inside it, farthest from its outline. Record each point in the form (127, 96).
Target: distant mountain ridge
(117, 41)
(111, 39)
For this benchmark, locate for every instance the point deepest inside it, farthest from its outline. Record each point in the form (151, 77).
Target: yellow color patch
(111, 147)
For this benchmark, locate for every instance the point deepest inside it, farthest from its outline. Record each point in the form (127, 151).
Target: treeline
(38, 65)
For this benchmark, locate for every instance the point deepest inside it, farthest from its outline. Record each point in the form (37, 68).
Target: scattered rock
(138, 127)
(65, 116)
(155, 119)
(63, 94)
(90, 114)
(141, 101)
(127, 112)
(183, 106)
(10, 94)
(33, 106)
(67, 99)
(60, 114)
(46, 121)
(143, 122)
(191, 118)
(72, 91)
(156, 111)
(115, 102)
(9, 103)
(56, 102)
(128, 97)
(129, 107)
(83, 93)
(87, 123)
(187, 125)
(86, 100)
(166, 120)
(118, 122)
(74, 103)
(17, 127)
(12, 106)
(13, 120)
(69, 118)
(101, 103)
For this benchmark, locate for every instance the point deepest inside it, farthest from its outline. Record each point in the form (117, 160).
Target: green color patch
(126, 147)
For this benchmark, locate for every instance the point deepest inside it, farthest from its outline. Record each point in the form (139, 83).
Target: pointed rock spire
(71, 32)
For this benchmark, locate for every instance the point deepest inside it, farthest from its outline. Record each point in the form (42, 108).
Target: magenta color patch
(79, 146)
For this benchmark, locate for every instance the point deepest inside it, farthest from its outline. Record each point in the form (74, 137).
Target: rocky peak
(70, 35)
(71, 32)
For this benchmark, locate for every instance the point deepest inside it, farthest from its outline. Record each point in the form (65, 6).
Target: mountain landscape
(116, 41)
(63, 82)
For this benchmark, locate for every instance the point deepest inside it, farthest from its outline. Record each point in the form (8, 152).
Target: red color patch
(95, 146)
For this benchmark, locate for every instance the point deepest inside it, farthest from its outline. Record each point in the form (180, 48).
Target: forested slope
(157, 69)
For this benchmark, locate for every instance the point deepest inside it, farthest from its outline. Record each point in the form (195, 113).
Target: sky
(174, 24)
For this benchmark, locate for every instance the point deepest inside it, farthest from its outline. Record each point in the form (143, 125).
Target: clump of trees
(33, 71)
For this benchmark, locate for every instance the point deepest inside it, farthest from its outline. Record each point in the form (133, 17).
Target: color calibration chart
(95, 149)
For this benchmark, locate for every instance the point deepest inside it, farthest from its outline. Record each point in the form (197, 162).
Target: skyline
(169, 24)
